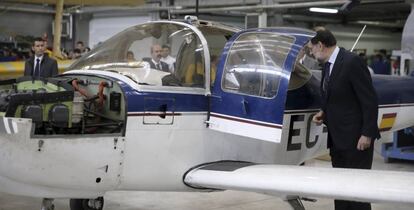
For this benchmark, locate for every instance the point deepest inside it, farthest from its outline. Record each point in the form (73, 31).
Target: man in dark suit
(155, 60)
(40, 64)
(349, 108)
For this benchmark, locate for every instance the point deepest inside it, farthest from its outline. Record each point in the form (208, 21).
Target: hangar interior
(93, 22)
(388, 31)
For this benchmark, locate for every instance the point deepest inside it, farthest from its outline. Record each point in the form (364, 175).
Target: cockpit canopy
(137, 53)
(254, 61)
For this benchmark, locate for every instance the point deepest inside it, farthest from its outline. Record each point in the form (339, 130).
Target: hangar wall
(372, 39)
(81, 29)
(102, 28)
(346, 35)
(14, 23)
(92, 28)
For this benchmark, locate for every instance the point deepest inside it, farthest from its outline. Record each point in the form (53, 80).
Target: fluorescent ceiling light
(323, 10)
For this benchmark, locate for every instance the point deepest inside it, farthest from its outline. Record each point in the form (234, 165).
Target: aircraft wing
(302, 181)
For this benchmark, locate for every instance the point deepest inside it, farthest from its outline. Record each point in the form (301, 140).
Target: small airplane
(114, 123)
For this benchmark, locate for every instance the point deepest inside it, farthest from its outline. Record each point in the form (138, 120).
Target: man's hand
(318, 118)
(364, 143)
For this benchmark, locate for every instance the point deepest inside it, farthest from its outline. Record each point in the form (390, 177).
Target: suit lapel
(31, 61)
(154, 64)
(30, 68)
(43, 64)
(336, 69)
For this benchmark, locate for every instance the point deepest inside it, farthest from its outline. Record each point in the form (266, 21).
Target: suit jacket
(351, 105)
(48, 67)
(164, 66)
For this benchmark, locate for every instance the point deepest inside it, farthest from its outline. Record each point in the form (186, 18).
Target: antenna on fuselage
(196, 14)
(360, 34)
(170, 4)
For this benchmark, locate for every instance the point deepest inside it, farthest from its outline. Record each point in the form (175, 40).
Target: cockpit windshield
(159, 53)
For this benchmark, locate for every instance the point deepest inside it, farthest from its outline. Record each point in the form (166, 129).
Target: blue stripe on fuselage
(394, 89)
(138, 101)
(391, 90)
(180, 102)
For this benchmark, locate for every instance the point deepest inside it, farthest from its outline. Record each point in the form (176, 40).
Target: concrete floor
(227, 200)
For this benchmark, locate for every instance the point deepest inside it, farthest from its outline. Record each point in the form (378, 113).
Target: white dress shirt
(170, 61)
(35, 61)
(332, 59)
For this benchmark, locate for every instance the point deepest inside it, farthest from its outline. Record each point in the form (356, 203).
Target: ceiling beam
(85, 2)
(190, 10)
(271, 6)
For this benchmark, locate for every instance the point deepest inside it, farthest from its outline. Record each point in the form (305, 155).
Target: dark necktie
(325, 83)
(37, 68)
(158, 66)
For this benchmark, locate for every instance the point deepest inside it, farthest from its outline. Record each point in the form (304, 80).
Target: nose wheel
(87, 204)
(47, 204)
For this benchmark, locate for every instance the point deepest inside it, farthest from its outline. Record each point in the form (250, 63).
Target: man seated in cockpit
(155, 60)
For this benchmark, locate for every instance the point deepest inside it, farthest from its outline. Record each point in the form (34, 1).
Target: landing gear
(47, 204)
(296, 203)
(87, 204)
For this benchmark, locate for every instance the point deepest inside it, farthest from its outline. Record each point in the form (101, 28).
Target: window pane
(254, 65)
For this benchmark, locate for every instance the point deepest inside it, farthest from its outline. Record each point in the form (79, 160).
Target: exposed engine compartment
(65, 105)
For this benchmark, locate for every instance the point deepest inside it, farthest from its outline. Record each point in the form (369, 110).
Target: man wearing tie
(349, 108)
(40, 65)
(155, 61)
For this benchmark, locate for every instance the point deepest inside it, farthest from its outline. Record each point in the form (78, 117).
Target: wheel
(87, 204)
(52, 207)
(47, 204)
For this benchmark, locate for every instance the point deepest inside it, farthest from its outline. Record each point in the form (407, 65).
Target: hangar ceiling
(83, 2)
(389, 14)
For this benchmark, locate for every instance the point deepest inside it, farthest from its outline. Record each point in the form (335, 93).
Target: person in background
(16, 55)
(380, 64)
(48, 50)
(364, 57)
(64, 53)
(76, 53)
(40, 65)
(130, 56)
(7, 56)
(349, 108)
(80, 46)
(167, 58)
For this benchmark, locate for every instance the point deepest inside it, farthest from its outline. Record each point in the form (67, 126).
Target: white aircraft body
(113, 123)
